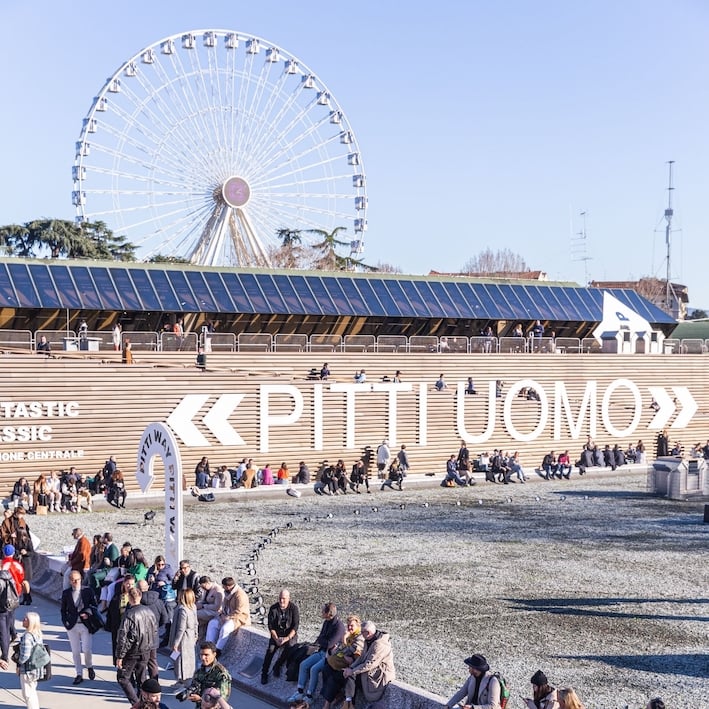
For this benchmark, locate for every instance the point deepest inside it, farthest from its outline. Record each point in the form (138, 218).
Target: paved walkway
(103, 692)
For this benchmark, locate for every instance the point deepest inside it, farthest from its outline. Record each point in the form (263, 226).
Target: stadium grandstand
(602, 360)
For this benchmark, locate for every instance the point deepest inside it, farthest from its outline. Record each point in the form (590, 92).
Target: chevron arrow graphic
(667, 407)
(216, 420)
(180, 420)
(689, 407)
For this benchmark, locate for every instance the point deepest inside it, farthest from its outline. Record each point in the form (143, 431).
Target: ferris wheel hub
(236, 192)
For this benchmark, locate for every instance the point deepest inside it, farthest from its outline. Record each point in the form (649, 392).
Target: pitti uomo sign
(203, 420)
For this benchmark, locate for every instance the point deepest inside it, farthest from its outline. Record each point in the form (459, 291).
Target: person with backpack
(9, 600)
(482, 688)
(29, 665)
(19, 585)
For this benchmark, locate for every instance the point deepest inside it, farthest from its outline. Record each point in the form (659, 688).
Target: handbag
(15, 652)
(93, 621)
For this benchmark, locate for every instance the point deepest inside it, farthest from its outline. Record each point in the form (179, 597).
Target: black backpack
(9, 600)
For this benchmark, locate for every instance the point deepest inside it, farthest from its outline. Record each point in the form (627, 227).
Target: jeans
(311, 666)
(132, 674)
(6, 620)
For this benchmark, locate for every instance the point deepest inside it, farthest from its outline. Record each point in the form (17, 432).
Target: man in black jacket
(283, 621)
(76, 606)
(187, 577)
(137, 635)
(151, 599)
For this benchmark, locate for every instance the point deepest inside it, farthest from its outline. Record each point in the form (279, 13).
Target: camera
(184, 694)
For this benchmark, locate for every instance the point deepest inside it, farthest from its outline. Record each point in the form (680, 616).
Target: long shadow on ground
(582, 607)
(692, 665)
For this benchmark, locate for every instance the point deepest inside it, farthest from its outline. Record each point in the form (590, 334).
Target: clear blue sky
(481, 124)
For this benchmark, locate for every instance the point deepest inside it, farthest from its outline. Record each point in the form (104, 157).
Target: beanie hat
(539, 679)
(151, 686)
(9, 550)
(477, 662)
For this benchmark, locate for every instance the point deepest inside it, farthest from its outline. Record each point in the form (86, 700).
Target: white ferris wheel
(205, 144)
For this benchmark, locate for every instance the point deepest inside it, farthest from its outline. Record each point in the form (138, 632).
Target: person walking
(136, 636)
(29, 676)
(76, 605)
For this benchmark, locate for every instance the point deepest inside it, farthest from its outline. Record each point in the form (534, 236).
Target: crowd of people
(506, 467)
(148, 606)
(144, 607)
(69, 491)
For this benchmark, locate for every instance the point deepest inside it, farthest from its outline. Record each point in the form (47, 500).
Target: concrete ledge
(244, 653)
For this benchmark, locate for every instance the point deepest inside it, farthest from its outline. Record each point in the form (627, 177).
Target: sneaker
(92, 673)
(308, 699)
(78, 679)
(296, 697)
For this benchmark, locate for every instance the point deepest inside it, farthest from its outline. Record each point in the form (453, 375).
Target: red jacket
(16, 571)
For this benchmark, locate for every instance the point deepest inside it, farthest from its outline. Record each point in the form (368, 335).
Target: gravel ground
(600, 584)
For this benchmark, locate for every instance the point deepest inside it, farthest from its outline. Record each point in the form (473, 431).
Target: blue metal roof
(80, 285)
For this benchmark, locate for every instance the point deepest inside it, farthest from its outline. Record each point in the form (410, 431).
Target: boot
(28, 600)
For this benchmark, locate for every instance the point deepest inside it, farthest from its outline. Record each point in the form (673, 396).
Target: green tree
(289, 237)
(326, 256)
(161, 258)
(106, 243)
(290, 253)
(15, 239)
(60, 238)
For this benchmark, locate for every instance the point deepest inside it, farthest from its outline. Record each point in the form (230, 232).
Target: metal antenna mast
(668, 231)
(578, 247)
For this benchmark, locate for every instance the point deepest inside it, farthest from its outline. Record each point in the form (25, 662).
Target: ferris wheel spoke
(155, 107)
(200, 107)
(275, 128)
(311, 209)
(167, 224)
(271, 112)
(287, 139)
(287, 155)
(216, 72)
(209, 122)
(165, 180)
(255, 109)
